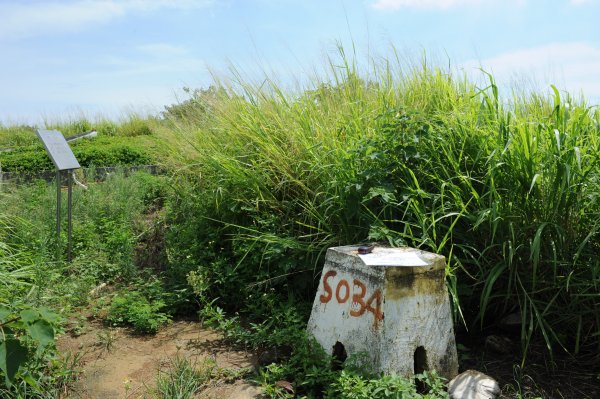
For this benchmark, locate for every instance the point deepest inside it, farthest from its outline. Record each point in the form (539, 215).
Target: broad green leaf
(49, 315)
(42, 332)
(4, 313)
(12, 355)
(29, 315)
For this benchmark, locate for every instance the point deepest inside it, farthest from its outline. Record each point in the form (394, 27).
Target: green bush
(135, 309)
(26, 159)
(109, 152)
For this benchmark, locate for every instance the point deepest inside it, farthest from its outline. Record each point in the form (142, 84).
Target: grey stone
(473, 385)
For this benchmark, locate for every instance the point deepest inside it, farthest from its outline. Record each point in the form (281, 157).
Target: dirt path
(117, 364)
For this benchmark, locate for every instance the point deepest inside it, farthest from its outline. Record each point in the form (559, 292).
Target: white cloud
(18, 20)
(22, 20)
(573, 66)
(439, 4)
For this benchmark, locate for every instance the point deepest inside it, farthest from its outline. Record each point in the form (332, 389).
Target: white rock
(473, 385)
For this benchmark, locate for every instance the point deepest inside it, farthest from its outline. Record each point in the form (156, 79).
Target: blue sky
(69, 58)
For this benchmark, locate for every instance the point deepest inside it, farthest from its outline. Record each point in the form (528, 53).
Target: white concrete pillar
(390, 305)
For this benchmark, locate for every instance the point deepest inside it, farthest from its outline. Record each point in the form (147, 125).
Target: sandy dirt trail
(117, 364)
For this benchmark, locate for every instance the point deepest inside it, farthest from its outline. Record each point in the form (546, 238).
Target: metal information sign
(58, 149)
(63, 159)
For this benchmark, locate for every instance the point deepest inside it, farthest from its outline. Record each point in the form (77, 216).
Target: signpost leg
(63, 159)
(58, 203)
(69, 208)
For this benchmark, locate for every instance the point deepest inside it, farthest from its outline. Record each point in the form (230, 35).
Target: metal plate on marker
(58, 149)
(392, 257)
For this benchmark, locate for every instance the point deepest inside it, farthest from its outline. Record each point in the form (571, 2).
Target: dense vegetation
(509, 193)
(263, 180)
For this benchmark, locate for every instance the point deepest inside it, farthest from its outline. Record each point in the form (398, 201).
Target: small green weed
(354, 386)
(142, 305)
(106, 340)
(311, 374)
(268, 323)
(183, 378)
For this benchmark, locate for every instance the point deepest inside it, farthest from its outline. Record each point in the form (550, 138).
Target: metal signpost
(63, 159)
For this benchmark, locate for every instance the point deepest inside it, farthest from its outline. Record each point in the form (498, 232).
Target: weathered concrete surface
(473, 385)
(391, 305)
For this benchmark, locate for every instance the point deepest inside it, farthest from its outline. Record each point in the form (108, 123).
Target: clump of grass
(183, 378)
(135, 126)
(16, 136)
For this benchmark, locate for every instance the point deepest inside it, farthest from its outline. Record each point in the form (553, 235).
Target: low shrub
(143, 305)
(134, 309)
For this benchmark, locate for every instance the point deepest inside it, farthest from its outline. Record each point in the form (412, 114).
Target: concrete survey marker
(389, 307)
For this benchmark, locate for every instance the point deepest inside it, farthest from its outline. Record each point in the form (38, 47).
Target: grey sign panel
(58, 149)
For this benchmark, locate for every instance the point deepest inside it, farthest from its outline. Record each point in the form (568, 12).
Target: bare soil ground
(118, 364)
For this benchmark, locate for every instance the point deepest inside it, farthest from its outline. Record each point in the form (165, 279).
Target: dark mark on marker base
(365, 249)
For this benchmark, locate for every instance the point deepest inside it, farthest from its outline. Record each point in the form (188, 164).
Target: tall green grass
(506, 189)
(109, 219)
